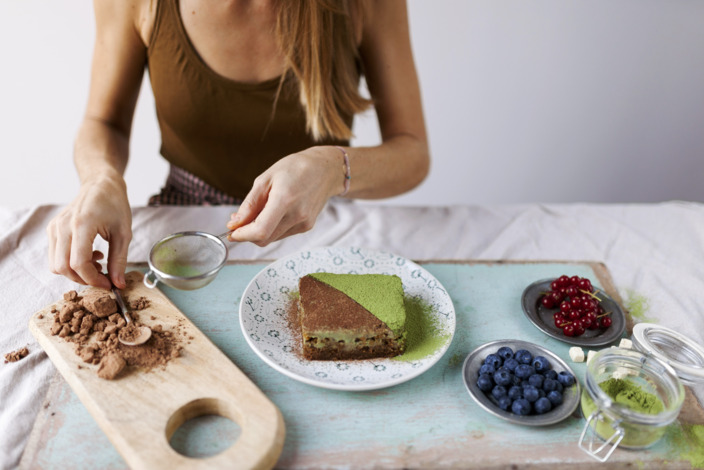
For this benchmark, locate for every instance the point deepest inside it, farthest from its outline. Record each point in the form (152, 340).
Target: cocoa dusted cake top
(387, 308)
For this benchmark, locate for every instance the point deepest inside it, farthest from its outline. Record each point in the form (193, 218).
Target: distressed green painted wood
(430, 421)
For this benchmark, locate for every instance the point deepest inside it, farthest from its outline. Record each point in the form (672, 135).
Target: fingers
(117, 259)
(252, 205)
(261, 229)
(59, 254)
(97, 256)
(82, 258)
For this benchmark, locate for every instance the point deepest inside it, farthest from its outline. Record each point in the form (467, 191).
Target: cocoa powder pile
(92, 322)
(15, 356)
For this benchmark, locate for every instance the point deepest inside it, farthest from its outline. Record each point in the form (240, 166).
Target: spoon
(143, 332)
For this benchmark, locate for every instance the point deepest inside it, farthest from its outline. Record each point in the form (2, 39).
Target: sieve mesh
(187, 255)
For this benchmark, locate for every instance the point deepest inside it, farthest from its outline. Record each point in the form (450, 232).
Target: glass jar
(629, 423)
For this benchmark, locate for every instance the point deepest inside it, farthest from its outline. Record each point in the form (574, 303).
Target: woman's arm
(101, 152)
(287, 198)
(402, 161)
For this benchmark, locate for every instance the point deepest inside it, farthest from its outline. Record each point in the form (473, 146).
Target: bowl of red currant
(573, 310)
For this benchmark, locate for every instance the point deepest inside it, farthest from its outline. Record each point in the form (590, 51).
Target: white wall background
(525, 101)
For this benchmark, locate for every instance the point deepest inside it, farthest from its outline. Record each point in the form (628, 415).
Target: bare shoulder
(383, 16)
(138, 15)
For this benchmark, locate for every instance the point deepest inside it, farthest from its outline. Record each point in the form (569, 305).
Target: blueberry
(505, 402)
(543, 405)
(541, 364)
(523, 371)
(565, 378)
(502, 377)
(559, 387)
(555, 397)
(494, 360)
(530, 393)
(523, 356)
(505, 352)
(536, 380)
(511, 364)
(521, 407)
(516, 380)
(485, 383)
(498, 392)
(487, 369)
(515, 392)
(550, 384)
(541, 393)
(551, 374)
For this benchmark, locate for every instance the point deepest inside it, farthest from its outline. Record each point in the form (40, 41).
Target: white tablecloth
(654, 251)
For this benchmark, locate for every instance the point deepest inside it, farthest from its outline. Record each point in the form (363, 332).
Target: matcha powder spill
(423, 333)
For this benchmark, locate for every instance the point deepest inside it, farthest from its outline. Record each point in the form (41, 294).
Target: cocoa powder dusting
(294, 325)
(92, 323)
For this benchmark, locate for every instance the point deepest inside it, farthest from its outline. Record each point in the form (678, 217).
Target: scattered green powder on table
(688, 443)
(637, 305)
(423, 333)
(455, 359)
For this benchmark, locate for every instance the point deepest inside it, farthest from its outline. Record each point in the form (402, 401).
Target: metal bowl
(470, 372)
(542, 318)
(186, 260)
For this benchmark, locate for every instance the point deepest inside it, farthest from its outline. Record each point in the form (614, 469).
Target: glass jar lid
(675, 349)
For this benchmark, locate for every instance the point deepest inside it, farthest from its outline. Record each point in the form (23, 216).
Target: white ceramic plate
(264, 322)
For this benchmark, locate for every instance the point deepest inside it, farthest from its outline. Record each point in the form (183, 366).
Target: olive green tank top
(220, 130)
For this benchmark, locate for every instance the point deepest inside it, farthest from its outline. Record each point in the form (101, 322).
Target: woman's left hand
(287, 198)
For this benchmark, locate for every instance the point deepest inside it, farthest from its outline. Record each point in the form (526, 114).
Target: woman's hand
(101, 208)
(287, 198)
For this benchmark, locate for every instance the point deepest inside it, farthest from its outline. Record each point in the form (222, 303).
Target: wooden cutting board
(140, 410)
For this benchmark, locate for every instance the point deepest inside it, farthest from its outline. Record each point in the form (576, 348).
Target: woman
(255, 101)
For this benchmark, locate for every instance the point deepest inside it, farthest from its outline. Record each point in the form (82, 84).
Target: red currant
(547, 301)
(568, 330)
(585, 284)
(574, 314)
(605, 322)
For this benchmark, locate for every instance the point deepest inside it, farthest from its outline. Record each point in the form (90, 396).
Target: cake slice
(351, 316)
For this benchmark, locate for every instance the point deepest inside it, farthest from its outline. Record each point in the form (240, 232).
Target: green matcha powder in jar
(631, 396)
(628, 399)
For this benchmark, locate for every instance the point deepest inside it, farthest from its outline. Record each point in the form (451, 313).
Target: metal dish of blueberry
(521, 382)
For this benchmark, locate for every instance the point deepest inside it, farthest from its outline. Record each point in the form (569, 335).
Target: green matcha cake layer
(385, 300)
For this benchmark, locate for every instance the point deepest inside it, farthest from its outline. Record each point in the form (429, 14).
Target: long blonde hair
(318, 40)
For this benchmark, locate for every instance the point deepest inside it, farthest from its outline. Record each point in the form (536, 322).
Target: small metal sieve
(186, 260)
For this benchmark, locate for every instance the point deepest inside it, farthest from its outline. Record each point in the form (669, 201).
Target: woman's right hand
(101, 208)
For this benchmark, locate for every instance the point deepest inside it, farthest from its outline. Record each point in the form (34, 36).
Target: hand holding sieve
(186, 260)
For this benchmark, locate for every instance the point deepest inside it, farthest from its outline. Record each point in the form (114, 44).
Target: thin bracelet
(348, 173)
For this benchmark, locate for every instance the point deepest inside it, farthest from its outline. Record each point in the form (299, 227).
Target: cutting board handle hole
(203, 428)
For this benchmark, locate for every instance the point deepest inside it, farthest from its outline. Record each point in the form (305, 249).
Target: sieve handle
(223, 236)
(149, 283)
